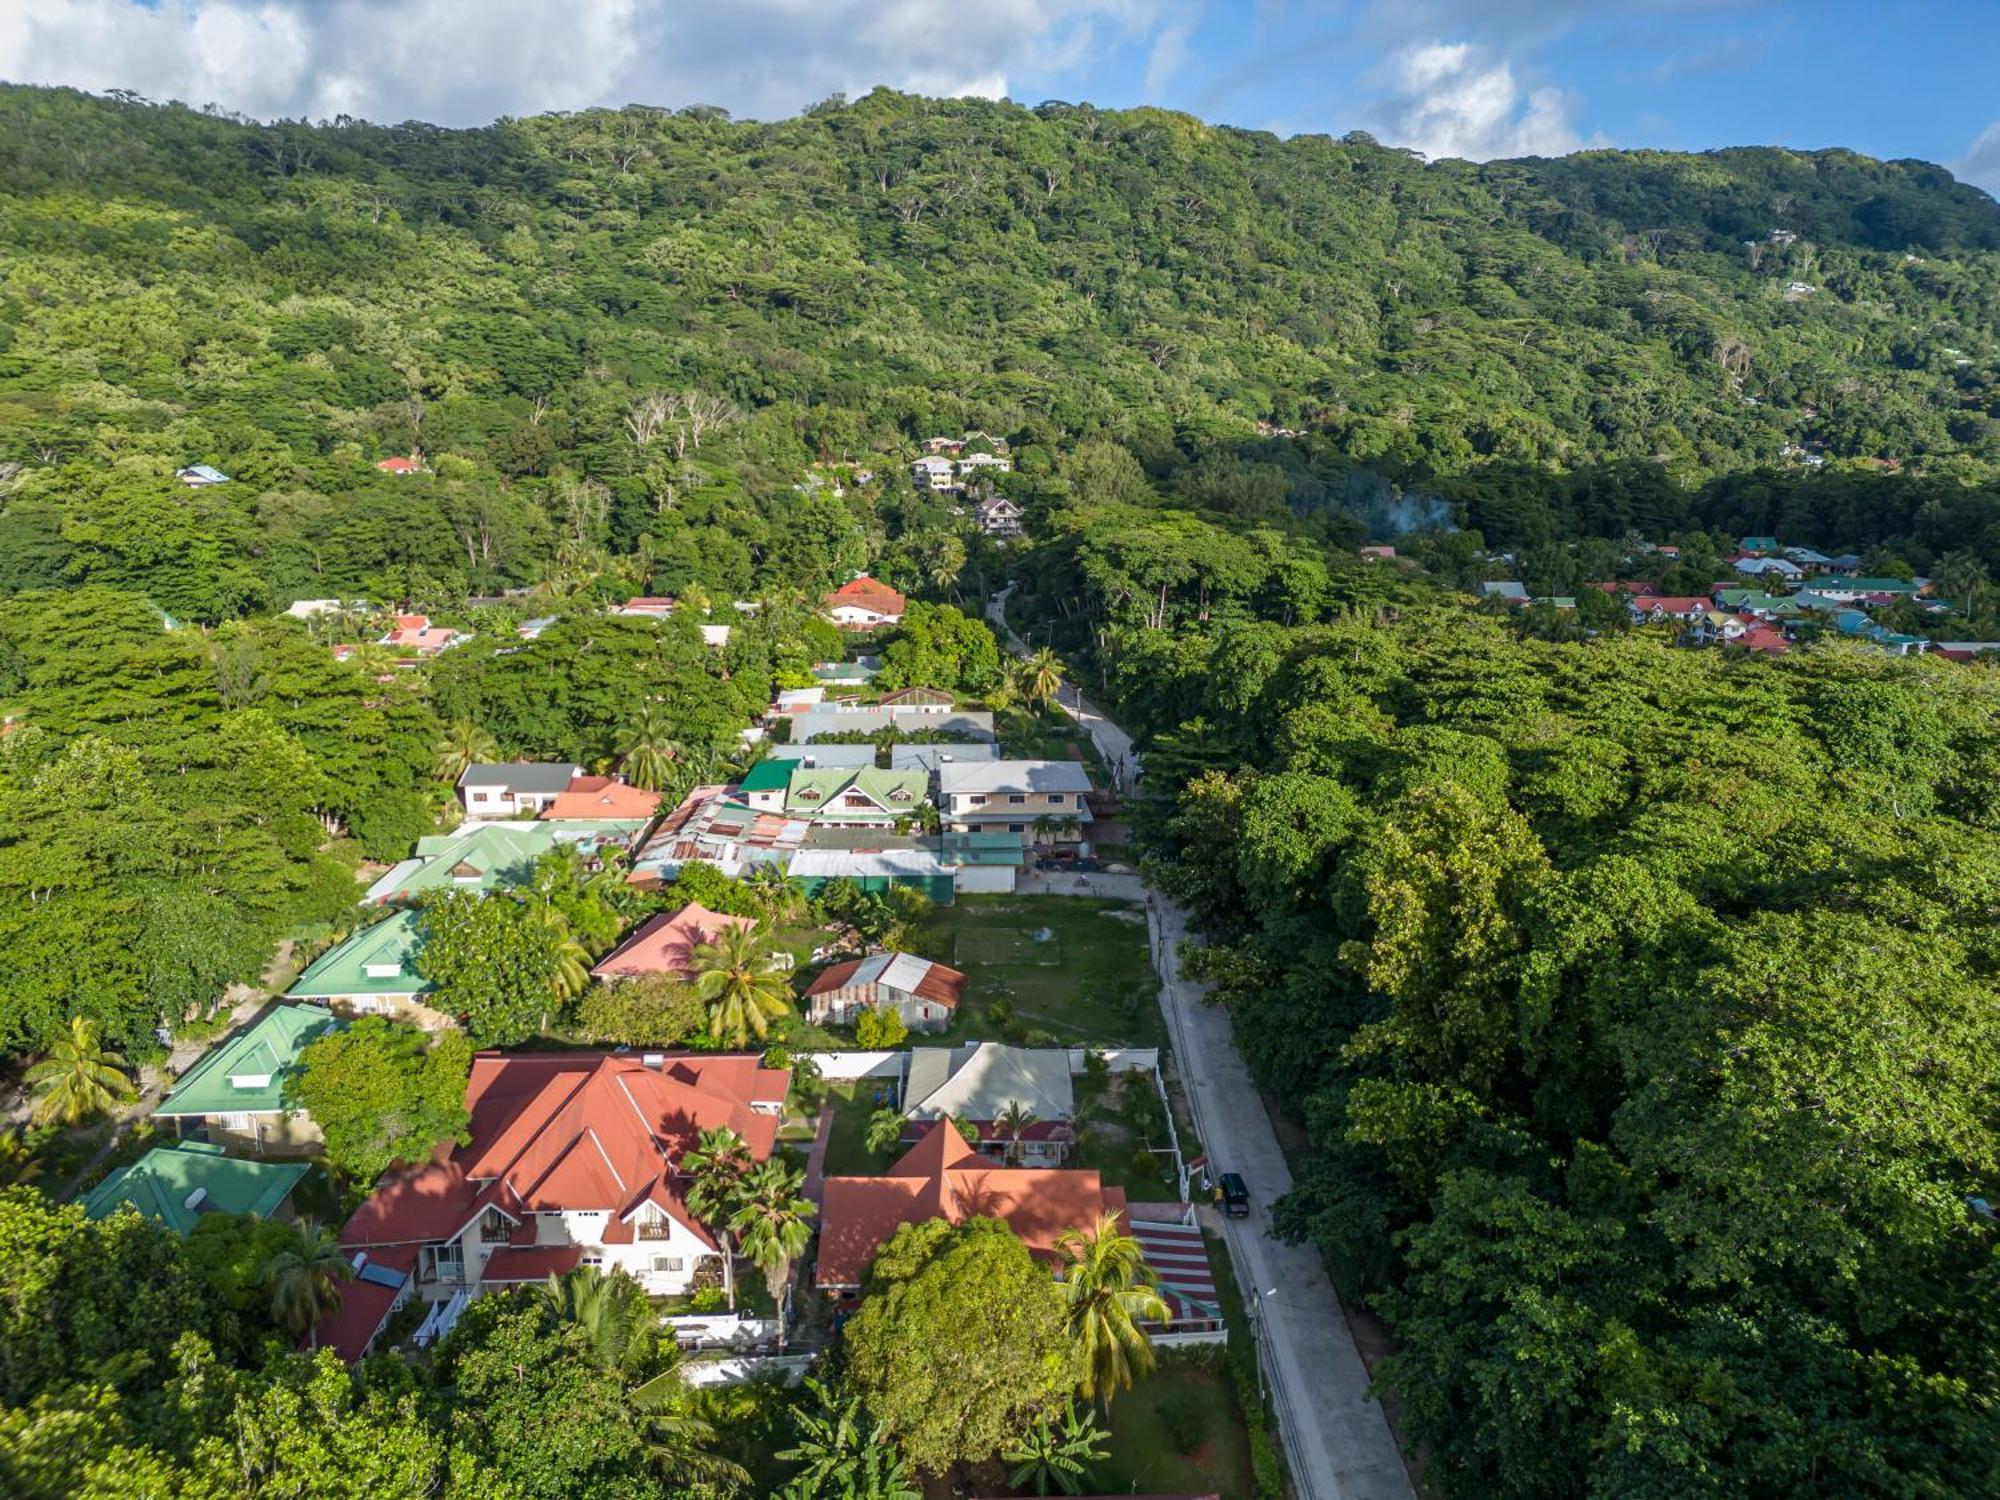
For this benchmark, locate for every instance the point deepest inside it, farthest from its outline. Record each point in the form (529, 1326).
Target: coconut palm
(1962, 577)
(613, 1311)
(463, 744)
(779, 895)
(78, 1079)
(17, 1162)
(1042, 677)
(733, 977)
(885, 1132)
(715, 1169)
(770, 1220)
(1109, 1290)
(844, 1453)
(304, 1277)
(1057, 1454)
(678, 1440)
(647, 749)
(1011, 1124)
(569, 973)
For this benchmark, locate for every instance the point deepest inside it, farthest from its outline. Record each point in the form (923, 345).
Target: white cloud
(463, 62)
(1980, 165)
(1457, 99)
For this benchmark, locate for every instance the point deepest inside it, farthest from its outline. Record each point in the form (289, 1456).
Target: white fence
(724, 1331)
(741, 1369)
(1191, 1336)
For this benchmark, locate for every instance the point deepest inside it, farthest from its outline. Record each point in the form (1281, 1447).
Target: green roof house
(177, 1184)
(850, 797)
(235, 1092)
(491, 856)
(373, 973)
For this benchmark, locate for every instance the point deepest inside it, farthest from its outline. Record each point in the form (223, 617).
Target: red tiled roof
(602, 797)
(1673, 604)
(867, 593)
(364, 1307)
(665, 944)
(662, 604)
(941, 1177)
(572, 1131)
(399, 466)
(510, 1263)
(943, 985)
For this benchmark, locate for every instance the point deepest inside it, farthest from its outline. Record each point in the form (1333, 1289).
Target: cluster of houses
(949, 465)
(1821, 594)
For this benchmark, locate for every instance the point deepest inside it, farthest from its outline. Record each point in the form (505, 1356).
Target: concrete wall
(984, 880)
(740, 1369)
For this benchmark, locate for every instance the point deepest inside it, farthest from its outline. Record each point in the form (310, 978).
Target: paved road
(1336, 1437)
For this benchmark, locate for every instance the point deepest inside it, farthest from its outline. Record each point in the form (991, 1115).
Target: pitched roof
(602, 797)
(489, 856)
(822, 755)
(975, 724)
(942, 1177)
(537, 776)
(163, 1185)
(888, 793)
(867, 593)
(957, 778)
(389, 945)
(365, 1301)
(246, 1073)
(574, 1131)
(775, 773)
(928, 758)
(665, 943)
(1673, 604)
(400, 466)
(910, 695)
(895, 971)
(981, 1079)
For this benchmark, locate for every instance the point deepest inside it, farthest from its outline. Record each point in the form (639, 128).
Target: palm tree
(611, 1310)
(1109, 1290)
(779, 895)
(1042, 677)
(679, 1441)
(304, 1277)
(569, 973)
(1057, 1454)
(647, 749)
(885, 1132)
(1961, 576)
(462, 744)
(716, 1169)
(734, 978)
(17, 1162)
(1011, 1125)
(78, 1079)
(770, 1220)
(844, 1453)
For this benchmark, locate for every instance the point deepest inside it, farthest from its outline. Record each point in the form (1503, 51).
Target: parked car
(1085, 864)
(1235, 1196)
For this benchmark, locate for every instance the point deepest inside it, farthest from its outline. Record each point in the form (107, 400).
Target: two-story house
(574, 1160)
(1014, 795)
(520, 786)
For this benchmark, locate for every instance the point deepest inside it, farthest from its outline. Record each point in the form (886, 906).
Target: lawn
(1177, 1432)
(847, 1153)
(1110, 1137)
(1074, 968)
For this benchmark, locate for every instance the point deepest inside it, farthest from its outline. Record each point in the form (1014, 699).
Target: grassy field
(1177, 1432)
(1074, 968)
(847, 1153)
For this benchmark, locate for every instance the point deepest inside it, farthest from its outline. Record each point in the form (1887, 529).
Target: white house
(520, 786)
(934, 472)
(1013, 795)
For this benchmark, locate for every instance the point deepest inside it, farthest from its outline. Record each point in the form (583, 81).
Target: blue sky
(1477, 78)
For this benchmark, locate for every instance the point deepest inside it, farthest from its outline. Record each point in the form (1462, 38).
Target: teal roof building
(378, 961)
(176, 1185)
(246, 1074)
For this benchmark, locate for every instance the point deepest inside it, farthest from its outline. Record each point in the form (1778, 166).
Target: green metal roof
(981, 847)
(893, 794)
(390, 945)
(246, 1074)
(1867, 585)
(490, 856)
(767, 776)
(160, 1183)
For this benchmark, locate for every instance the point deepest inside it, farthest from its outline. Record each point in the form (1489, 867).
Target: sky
(1471, 78)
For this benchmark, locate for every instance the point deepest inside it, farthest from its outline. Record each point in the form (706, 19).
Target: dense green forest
(1639, 1006)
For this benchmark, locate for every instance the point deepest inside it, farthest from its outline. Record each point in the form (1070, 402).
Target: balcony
(655, 1229)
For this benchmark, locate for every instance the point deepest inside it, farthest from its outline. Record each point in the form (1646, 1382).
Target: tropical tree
(78, 1079)
(1961, 577)
(885, 1131)
(781, 897)
(845, 1455)
(569, 973)
(770, 1220)
(304, 1278)
(1011, 1124)
(1057, 1455)
(735, 980)
(17, 1161)
(612, 1310)
(716, 1169)
(1042, 677)
(647, 749)
(678, 1440)
(463, 744)
(1108, 1290)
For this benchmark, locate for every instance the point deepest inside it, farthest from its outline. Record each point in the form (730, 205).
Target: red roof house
(941, 1177)
(400, 466)
(1645, 607)
(416, 633)
(665, 943)
(573, 1159)
(863, 603)
(602, 797)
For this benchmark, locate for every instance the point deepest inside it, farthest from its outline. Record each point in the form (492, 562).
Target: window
(494, 1225)
(667, 1265)
(593, 1260)
(238, 1123)
(976, 801)
(479, 796)
(1015, 799)
(1017, 827)
(382, 971)
(1057, 799)
(249, 1080)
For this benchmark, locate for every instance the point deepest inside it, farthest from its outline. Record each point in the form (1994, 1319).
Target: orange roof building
(574, 1158)
(602, 797)
(942, 1177)
(863, 603)
(665, 944)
